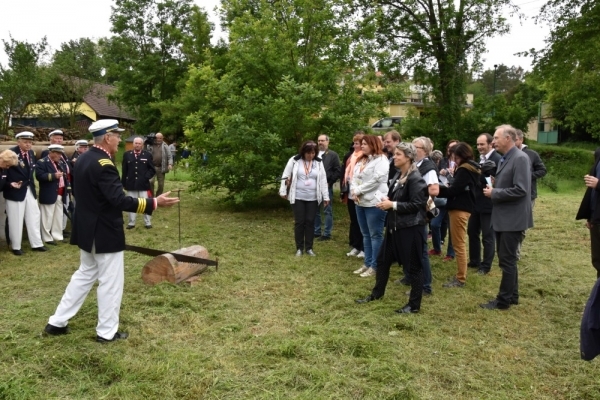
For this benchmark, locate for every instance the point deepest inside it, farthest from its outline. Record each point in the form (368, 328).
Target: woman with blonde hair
(369, 182)
(355, 239)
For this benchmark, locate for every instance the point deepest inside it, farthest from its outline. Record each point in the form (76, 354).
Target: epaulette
(105, 161)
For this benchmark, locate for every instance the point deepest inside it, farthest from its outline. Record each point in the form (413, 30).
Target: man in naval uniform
(137, 171)
(50, 172)
(21, 197)
(98, 232)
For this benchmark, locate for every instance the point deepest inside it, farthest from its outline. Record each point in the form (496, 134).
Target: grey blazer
(511, 196)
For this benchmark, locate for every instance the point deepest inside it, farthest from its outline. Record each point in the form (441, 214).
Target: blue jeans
(371, 221)
(436, 236)
(328, 217)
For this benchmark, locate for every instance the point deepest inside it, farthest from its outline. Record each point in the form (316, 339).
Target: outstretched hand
(164, 201)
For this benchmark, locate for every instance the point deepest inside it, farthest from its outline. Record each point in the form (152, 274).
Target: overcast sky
(64, 20)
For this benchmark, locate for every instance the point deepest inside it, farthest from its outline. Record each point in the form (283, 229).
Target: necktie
(501, 160)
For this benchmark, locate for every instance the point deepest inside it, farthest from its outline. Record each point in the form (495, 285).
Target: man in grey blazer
(511, 212)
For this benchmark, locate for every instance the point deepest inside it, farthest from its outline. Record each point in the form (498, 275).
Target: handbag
(431, 210)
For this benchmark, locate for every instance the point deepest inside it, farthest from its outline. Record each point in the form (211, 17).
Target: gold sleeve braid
(141, 206)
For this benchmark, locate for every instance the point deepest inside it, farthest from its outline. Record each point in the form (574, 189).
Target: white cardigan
(372, 178)
(291, 169)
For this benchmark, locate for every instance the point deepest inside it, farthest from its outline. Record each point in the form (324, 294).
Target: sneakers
(448, 258)
(368, 272)
(310, 253)
(434, 252)
(353, 253)
(454, 283)
(298, 253)
(361, 270)
(361, 255)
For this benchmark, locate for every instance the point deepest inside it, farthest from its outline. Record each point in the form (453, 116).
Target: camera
(150, 139)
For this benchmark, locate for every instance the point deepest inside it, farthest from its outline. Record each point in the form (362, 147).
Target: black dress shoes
(407, 310)
(118, 336)
(324, 238)
(130, 226)
(39, 249)
(366, 299)
(53, 243)
(494, 305)
(148, 226)
(56, 330)
(18, 252)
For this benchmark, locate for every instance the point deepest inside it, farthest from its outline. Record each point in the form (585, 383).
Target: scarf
(350, 165)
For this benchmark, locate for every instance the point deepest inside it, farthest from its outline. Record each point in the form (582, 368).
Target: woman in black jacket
(460, 205)
(405, 236)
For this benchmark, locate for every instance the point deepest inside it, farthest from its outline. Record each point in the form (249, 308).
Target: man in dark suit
(511, 212)
(50, 172)
(590, 210)
(390, 141)
(98, 232)
(481, 219)
(20, 197)
(137, 170)
(333, 169)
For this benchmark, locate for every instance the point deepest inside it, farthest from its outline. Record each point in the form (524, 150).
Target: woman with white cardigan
(368, 185)
(305, 177)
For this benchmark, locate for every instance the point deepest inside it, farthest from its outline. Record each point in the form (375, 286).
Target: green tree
(73, 73)
(19, 80)
(434, 41)
(289, 77)
(148, 58)
(568, 65)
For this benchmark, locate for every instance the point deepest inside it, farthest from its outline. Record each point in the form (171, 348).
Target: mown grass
(269, 325)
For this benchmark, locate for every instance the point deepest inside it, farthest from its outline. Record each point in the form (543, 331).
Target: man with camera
(162, 158)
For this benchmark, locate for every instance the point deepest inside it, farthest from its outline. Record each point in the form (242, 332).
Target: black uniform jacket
(98, 217)
(137, 172)
(411, 198)
(46, 176)
(23, 171)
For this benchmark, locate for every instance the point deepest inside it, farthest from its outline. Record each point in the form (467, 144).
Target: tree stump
(166, 268)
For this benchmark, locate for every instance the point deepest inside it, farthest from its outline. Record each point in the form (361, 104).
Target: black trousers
(480, 222)
(304, 223)
(595, 242)
(404, 246)
(508, 246)
(355, 237)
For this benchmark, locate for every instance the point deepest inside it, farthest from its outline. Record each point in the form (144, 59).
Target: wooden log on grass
(166, 268)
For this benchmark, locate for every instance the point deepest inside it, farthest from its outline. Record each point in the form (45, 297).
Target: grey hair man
(333, 170)
(511, 212)
(163, 162)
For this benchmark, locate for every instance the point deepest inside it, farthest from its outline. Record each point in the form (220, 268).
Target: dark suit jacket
(333, 169)
(137, 172)
(98, 217)
(538, 169)
(46, 176)
(589, 344)
(585, 208)
(23, 171)
(511, 193)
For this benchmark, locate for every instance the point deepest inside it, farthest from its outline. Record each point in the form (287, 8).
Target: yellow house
(92, 106)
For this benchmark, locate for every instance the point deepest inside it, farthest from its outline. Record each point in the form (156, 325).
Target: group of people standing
(45, 221)
(392, 187)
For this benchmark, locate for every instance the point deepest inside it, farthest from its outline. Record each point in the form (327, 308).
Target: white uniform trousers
(16, 211)
(142, 194)
(2, 218)
(52, 227)
(108, 270)
(64, 216)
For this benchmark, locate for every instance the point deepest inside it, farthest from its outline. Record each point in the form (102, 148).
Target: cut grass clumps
(269, 325)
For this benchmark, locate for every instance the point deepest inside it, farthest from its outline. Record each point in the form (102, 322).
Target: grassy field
(269, 325)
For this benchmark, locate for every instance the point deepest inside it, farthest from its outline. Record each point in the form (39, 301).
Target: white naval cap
(56, 147)
(104, 126)
(56, 132)
(81, 143)
(24, 135)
